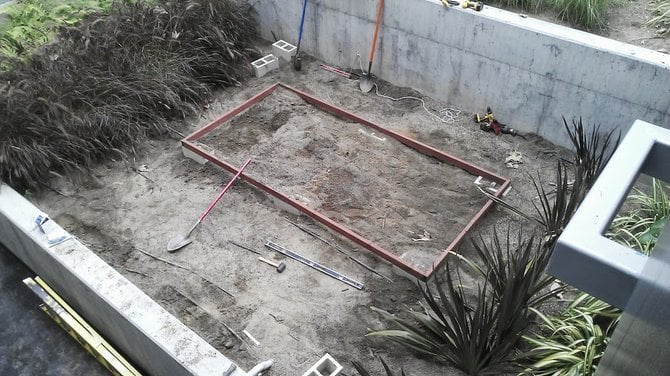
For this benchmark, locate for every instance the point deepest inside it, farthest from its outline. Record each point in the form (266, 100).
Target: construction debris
(513, 159)
(337, 248)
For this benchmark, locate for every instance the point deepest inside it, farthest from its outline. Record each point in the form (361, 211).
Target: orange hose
(374, 37)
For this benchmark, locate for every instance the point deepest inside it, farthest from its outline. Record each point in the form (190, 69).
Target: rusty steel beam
(350, 234)
(231, 114)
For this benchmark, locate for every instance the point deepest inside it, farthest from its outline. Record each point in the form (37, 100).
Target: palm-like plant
(591, 151)
(476, 335)
(556, 207)
(515, 262)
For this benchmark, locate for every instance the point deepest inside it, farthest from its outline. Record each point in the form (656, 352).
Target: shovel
(180, 241)
(366, 83)
(297, 62)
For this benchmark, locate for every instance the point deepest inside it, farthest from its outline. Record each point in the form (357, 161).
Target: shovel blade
(177, 243)
(366, 83)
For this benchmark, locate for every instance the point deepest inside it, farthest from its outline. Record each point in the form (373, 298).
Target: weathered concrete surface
(530, 72)
(31, 343)
(153, 339)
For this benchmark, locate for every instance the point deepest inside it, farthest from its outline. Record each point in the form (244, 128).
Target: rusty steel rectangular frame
(423, 274)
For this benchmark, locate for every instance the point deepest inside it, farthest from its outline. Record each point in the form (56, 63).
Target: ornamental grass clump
(107, 85)
(585, 13)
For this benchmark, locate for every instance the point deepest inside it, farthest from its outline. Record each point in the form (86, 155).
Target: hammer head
(281, 267)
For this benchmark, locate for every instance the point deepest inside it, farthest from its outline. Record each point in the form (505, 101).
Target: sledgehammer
(280, 267)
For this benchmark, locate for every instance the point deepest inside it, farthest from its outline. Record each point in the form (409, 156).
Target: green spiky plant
(475, 334)
(592, 151)
(517, 262)
(572, 181)
(573, 342)
(661, 19)
(640, 227)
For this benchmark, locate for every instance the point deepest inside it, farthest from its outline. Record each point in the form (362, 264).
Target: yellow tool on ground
(78, 328)
(476, 5)
(488, 123)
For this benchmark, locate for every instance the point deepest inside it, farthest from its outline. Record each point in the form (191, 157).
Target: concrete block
(265, 64)
(284, 50)
(188, 153)
(326, 366)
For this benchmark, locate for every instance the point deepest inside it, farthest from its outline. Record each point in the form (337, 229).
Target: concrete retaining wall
(529, 71)
(148, 335)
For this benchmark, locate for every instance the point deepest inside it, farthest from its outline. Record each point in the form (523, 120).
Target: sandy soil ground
(130, 208)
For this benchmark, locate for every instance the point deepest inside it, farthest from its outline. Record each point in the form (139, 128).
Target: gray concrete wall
(148, 335)
(529, 71)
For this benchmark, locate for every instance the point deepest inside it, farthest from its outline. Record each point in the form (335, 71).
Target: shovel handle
(374, 36)
(230, 184)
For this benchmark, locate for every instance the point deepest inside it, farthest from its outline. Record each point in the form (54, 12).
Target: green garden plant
(33, 23)
(661, 18)
(640, 227)
(585, 13)
(573, 342)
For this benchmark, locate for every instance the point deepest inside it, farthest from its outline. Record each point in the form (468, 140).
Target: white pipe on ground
(260, 367)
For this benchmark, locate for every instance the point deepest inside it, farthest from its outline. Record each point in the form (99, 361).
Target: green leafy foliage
(574, 341)
(661, 18)
(585, 13)
(113, 81)
(33, 23)
(640, 227)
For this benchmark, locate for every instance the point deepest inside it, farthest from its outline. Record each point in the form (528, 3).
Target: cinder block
(190, 154)
(284, 49)
(265, 64)
(326, 366)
